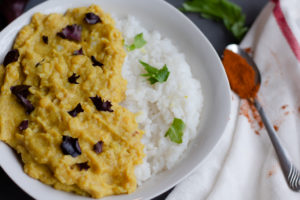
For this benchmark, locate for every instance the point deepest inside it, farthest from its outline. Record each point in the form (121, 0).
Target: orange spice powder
(284, 107)
(240, 74)
(256, 116)
(248, 110)
(248, 50)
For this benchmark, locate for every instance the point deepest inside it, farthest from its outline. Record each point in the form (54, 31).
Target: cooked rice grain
(157, 105)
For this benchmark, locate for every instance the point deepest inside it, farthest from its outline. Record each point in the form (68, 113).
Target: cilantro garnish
(175, 132)
(155, 75)
(139, 42)
(220, 10)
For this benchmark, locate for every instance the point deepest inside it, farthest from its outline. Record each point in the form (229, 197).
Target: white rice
(157, 105)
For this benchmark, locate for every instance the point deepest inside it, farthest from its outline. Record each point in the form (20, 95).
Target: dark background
(215, 32)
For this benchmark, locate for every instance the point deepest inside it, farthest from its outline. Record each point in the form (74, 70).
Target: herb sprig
(138, 42)
(220, 10)
(175, 132)
(155, 75)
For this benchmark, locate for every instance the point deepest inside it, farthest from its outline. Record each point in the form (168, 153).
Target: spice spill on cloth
(256, 115)
(272, 171)
(266, 83)
(249, 111)
(248, 50)
(284, 107)
(281, 118)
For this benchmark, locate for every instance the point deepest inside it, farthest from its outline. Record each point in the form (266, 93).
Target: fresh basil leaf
(163, 74)
(220, 10)
(175, 132)
(149, 69)
(139, 42)
(155, 75)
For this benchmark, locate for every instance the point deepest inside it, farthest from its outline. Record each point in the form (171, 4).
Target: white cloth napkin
(244, 165)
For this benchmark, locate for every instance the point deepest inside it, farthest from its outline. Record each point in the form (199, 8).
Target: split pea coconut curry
(61, 86)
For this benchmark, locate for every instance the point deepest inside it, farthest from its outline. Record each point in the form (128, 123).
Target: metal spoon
(290, 172)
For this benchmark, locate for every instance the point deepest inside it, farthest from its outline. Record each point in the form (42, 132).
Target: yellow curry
(61, 86)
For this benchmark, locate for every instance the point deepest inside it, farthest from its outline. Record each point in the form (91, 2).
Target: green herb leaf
(155, 75)
(220, 10)
(175, 132)
(139, 42)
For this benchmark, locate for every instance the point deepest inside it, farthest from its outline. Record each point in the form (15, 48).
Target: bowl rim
(15, 27)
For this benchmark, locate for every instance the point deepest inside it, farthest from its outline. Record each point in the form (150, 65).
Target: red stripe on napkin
(285, 29)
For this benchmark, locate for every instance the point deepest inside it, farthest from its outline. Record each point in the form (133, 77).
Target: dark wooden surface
(217, 35)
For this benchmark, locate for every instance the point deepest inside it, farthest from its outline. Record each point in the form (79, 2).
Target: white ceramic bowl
(206, 66)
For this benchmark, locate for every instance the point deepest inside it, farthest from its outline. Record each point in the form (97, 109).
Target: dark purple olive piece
(71, 32)
(11, 56)
(70, 146)
(11, 9)
(96, 62)
(23, 125)
(78, 52)
(37, 64)
(21, 92)
(27, 104)
(78, 109)
(98, 147)
(92, 18)
(73, 78)
(101, 105)
(83, 165)
(45, 39)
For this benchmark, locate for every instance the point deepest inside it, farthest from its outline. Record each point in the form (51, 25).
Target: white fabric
(291, 12)
(244, 165)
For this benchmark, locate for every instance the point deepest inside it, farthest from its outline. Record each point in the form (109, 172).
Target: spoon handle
(290, 172)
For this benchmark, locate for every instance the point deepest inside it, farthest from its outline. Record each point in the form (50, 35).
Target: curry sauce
(76, 137)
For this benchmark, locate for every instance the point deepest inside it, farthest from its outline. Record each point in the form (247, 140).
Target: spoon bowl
(236, 49)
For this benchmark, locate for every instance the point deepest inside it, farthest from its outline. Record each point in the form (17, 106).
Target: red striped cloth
(285, 28)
